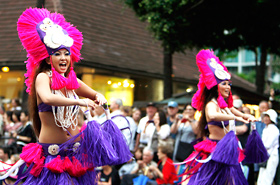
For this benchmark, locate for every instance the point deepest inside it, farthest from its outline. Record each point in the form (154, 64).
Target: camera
(180, 116)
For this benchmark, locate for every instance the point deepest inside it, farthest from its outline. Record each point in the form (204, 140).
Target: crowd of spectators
(162, 136)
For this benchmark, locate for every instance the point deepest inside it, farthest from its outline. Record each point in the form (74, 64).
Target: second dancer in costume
(216, 159)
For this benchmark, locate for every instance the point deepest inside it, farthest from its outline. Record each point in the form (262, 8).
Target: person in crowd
(2, 126)
(26, 134)
(122, 123)
(172, 111)
(143, 138)
(165, 172)
(136, 115)
(246, 110)
(270, 138)
(161, 132)
(185, 128)
(263, 107)
(4, 156)
(242, 129)
(216, 125)
(130, 165)
(141, 167)
(15, 105)
(260, 125)
(9, 126)
(99, 115)
(53, 45)
(108, 176)
(126, 111)
(81, 119)
(242, 132)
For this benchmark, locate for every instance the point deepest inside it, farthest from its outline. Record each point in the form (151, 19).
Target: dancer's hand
(87, 103)
(252, 119)
(238, 118)
(100, 99)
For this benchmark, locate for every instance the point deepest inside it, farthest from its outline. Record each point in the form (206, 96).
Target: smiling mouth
(62, 65)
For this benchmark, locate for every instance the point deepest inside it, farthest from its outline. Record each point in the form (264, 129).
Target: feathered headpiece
(212, 73)
(42, 34)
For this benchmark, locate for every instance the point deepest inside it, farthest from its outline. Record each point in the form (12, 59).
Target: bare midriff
(50, 132)
(216, 132)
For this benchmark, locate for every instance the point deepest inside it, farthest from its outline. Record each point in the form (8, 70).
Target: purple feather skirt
(71, 162)
(221, 168)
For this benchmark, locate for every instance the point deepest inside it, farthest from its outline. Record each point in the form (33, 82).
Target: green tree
(220, 24)
(167, 22)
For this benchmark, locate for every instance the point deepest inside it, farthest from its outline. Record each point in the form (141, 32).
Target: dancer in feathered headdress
(64, 155)
(216, 159)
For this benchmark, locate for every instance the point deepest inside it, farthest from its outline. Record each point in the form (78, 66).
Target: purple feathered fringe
(47, 177)
(255, 151)
(95, 140)
(226, 150)
(223, 168)
(118, 142)
(215, 173)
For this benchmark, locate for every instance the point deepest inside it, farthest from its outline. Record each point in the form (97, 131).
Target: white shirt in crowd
(123, 124)
(270, 138)
(146, 137)
(164, 131)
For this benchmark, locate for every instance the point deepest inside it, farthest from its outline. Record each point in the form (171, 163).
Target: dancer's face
(224, 88)
(61, 60)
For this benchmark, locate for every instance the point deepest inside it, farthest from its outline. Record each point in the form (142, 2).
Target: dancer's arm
(42, 85)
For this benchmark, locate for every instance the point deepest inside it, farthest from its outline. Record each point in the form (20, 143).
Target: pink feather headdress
(40, 43)
(212, 73)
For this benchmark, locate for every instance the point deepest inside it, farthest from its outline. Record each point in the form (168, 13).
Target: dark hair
(9, 114)
(17, 113)
(32, 100)
(208, 96)
(17, 101)
(26, 113)
(162, 118)
(189, 104)
(5, 150)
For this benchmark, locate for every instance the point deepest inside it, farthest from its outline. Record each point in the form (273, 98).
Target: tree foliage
(220, 24)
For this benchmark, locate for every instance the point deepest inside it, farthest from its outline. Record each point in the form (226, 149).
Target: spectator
(129, 166)
(15, 105)
(165, 172)
(2, 111)
(136, 115)
(121, 122)
(126, 111)
(270, 138)
(141, 167)
(242, 132)
(172, 110)
(246, 110)
(143, 138)
(9, 126)
(5, 157)
(99, 115)
(26, 134)
(263, 107)
(161, 132)
(185, 129)
(108, 176)
(81, 119)
(260, 125)
(242, 129)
